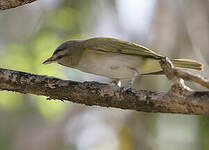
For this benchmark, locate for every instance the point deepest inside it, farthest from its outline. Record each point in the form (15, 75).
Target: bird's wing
(111, 45)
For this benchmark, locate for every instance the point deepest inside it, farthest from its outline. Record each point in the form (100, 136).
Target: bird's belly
(111, 66)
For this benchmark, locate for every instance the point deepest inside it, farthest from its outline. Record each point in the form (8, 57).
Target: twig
(171, 72)
(178, 88)
(7, 4)
(192, 77)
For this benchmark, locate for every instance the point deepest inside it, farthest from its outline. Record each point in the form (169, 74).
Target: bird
(113, 58)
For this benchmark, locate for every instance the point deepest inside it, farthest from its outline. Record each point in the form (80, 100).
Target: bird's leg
(115, 82)
(130, 83)
(128, 86)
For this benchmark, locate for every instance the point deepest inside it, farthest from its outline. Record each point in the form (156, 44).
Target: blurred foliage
(126, 139)
(10, 102)
(28, 56)
(204, 132)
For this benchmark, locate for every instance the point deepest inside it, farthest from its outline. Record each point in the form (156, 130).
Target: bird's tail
(152, 67)
(187, 63)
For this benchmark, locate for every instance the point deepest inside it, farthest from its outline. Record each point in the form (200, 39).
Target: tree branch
(7, 4)
(93, 93)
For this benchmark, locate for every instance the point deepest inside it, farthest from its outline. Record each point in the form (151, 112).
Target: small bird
(113, 58)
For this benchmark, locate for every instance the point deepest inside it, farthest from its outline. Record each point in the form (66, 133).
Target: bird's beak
(49, 61)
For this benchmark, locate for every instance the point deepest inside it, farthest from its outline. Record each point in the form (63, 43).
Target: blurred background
(29, 34)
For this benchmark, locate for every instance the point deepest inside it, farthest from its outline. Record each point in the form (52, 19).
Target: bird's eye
(60, 56)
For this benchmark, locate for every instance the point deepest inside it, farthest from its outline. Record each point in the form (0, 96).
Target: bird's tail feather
(181, 63)
(187, 63)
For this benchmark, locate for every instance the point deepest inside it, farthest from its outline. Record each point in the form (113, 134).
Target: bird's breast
(111, 65)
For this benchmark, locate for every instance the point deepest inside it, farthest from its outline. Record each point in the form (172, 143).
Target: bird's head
(64, 53)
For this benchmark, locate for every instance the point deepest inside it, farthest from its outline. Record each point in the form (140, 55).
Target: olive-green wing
(111, 45)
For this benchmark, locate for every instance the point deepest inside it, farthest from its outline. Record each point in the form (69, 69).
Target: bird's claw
(127, 87)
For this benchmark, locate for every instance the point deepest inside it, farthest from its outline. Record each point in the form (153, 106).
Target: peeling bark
(93, 93)
(7, 4)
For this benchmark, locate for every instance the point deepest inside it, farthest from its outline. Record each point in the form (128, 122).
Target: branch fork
(176, 78)
(178, 88)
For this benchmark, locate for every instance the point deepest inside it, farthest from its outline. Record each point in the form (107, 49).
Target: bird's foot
(118, 84)
(127, 87)
(115, 83)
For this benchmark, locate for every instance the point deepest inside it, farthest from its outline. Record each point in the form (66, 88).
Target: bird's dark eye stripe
(60, 56)
(58, 50)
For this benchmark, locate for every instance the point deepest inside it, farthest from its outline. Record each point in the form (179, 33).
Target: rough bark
(7, 4)
(93, 93)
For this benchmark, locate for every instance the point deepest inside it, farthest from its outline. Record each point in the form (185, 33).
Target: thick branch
(7, 4)
(93, 93)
